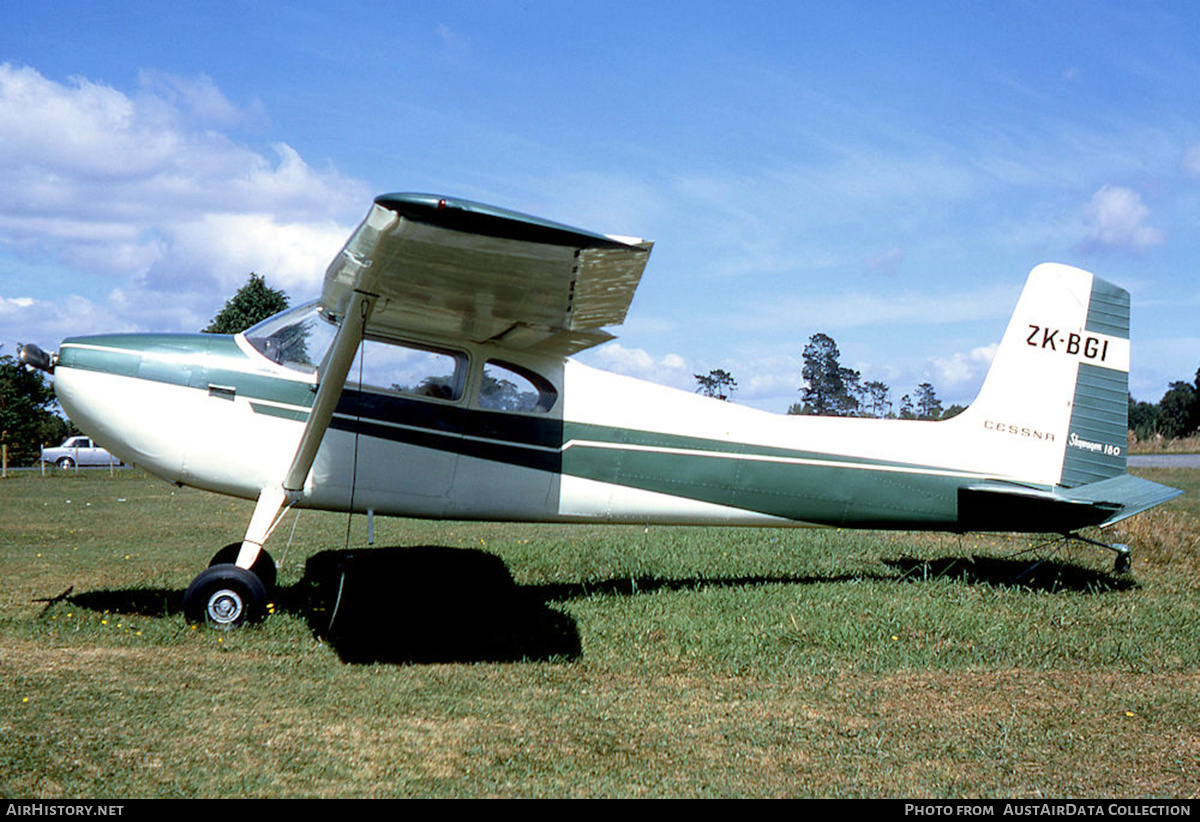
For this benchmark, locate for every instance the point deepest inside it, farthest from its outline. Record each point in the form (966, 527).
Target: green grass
(525, 660)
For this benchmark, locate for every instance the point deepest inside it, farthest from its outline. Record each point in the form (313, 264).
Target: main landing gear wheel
(263, 567)
(225, 596)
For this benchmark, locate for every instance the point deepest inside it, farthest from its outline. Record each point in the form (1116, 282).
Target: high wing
(420, 264)
(458, 270)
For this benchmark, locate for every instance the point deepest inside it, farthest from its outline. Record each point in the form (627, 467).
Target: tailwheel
(1121, 565)
(225, 596)
(263, 567)
(1124, 554)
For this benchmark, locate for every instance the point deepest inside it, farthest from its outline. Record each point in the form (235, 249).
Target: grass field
(463, 660)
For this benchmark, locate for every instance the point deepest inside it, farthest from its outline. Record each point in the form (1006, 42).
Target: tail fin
(1054, 406)
(1053, 411)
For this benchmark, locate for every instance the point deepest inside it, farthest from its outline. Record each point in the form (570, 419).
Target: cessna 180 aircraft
(433, 378)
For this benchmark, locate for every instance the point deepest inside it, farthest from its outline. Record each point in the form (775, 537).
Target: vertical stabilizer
(1054, 406)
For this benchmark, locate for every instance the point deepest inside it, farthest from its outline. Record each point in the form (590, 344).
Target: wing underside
(457, 270)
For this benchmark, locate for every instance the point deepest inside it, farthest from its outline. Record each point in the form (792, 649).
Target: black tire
(65, 463)
(226, 597)
(263, 567)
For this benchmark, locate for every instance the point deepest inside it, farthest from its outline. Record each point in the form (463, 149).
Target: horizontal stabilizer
(1131, 494)
(1005, 507)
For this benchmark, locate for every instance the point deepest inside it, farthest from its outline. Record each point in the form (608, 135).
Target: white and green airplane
(433, 378)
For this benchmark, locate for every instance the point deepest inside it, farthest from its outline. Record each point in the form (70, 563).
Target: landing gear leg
(272, 505)
(234, 589)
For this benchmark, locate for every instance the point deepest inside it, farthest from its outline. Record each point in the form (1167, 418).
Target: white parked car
(78, 451)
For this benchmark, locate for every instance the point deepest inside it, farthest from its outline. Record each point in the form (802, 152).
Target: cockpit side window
(297, 338)
(404, 368)
(509, 387)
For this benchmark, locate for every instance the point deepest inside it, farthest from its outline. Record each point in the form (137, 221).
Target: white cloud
(455, 44)
(1116, 220)
(45, 322)
(147, 197)
(669, 369)
(828, 312)
(224, 248)
(198, 96)
(886, 262)
(960, 371)
(1191, 161)
(770, 383)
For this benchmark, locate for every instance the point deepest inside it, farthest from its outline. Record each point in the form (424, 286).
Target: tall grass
(1159, 444)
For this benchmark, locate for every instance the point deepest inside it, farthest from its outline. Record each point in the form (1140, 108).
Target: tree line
(830, 389)
(1175, 416)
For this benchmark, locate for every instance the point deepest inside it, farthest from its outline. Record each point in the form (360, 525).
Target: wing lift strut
(227, 595)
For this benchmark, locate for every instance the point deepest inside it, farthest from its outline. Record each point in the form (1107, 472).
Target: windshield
(297, 338)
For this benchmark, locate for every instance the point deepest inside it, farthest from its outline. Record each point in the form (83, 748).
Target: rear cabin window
(408, 369)
(508, 387)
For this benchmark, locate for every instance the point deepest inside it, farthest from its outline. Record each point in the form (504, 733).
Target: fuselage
(215, 412)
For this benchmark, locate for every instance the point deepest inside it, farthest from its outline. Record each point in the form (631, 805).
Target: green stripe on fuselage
(800, 485)
(825, 489)
(190, 360)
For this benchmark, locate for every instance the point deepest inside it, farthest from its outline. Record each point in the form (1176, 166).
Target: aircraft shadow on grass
(1046, 574)
(434, 604)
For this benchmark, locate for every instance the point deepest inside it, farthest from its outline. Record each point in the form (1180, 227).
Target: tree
(253, 303)
(718, 384)
(830, 388)
(27, 420)
(1194, 424)
(1143, 419)
(928, 406)
(1176, 410)
(498, 393)
(877, 400)
(906, 408)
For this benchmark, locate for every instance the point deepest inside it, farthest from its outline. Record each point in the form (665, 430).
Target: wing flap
(458, 270)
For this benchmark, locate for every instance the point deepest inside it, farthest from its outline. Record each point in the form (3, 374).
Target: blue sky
(885, 173)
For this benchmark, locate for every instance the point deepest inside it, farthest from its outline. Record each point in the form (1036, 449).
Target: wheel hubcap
(225, 606)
